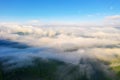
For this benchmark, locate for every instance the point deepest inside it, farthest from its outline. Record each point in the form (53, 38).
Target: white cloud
(114, 17)
(64, 43)
(112, 20)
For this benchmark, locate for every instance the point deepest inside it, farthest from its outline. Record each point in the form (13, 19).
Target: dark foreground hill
(49, 69)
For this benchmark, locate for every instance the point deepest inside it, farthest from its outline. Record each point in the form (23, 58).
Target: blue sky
(57, 10)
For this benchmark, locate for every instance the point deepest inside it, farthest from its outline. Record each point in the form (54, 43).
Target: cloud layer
(64, 43)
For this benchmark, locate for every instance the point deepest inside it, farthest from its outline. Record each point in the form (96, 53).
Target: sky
(57, 10)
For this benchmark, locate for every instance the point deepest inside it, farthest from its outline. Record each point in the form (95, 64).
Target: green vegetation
(42, 69)
(116, 69)
(49, 69)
